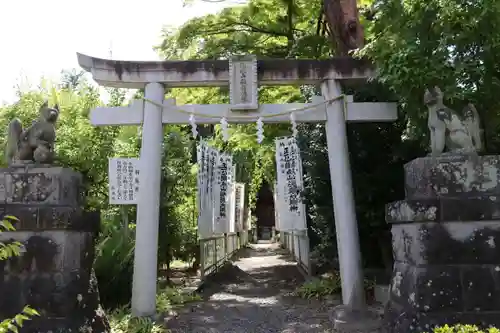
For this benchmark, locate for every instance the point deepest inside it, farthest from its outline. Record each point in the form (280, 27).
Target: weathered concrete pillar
(54, 273)
(445, 234)
(346, 226)
(148, 207)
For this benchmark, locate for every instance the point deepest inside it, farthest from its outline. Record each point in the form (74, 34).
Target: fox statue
(34, 144)
(448, 129)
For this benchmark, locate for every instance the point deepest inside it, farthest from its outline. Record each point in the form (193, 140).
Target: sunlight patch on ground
(267, 261)
(252, 300)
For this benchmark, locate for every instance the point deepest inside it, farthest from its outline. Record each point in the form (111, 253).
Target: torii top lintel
(213, 73)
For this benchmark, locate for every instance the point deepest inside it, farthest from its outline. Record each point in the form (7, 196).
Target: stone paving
(252, 295)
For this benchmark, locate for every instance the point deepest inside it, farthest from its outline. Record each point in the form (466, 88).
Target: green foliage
(281, 29)
(450, 43)
(266, 28)
(418, 44)
(7, 251)
(114, 265)
(170, 297)
(13, 248)
(327, 284)
(13, 325)
(86, 149)
(464, 329)
(414, 44)
(177, 230)
(319, 288)
(80, 145)
(121, 320)
(178, 190)
(271, 28)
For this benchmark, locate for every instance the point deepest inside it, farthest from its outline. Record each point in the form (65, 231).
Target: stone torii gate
(154, 76)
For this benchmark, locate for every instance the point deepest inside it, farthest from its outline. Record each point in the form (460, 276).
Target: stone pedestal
(446, 244)
(54, 273)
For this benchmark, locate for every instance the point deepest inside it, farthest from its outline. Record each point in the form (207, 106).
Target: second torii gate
(244, 74)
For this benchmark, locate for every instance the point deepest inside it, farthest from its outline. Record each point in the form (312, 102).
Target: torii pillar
(148, 206)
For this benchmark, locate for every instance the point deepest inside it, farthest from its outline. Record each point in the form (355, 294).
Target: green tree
(86, 149)
(285, 29)
(262, 27)
(71, 79)
(451, 43)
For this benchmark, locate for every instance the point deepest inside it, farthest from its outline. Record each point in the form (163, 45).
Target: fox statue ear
(438, 91)
(45, 104)
(56, 107)
(427, 94)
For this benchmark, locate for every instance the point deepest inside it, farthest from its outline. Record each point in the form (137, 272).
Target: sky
(41, 38)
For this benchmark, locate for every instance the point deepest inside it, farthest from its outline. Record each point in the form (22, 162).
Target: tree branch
(222, 31)
(226, 28)
(320, 19)
(260, 30)
(290, 35)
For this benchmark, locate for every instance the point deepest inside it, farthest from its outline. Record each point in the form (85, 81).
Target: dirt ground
(253, 295)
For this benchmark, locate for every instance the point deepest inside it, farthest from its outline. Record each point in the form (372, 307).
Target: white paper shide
(290, 207)
(123, 181)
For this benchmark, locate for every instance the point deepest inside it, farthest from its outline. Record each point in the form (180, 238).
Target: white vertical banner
(123, 174)
(297, 178)
(281, 195)
(239, 205)
(291, 209)
(222, 200)
(201, 179)
(231, 226)
(233, 222)
(215, 191)
(277, 225)
(213, 196)
(285, 223)
(207, 158)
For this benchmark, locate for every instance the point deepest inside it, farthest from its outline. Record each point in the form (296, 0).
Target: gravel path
(251, 296)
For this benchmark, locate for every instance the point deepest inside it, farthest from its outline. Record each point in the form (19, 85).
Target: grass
(464, 329)
(121, 320)
(326, 285)
(179, 264)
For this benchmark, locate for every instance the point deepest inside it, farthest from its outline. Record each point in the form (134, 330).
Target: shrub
(121, 320)
(169, 297)
(327, 284)
(319, 288)
(464, 329)
(114, 266)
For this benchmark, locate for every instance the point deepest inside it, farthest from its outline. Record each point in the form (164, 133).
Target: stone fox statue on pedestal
(448, 129)
(35, 143)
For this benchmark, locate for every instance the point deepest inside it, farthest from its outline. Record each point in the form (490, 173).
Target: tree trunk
(346, 32)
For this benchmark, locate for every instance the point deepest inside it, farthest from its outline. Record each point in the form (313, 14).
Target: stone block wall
(54, 273)
(446, 244)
